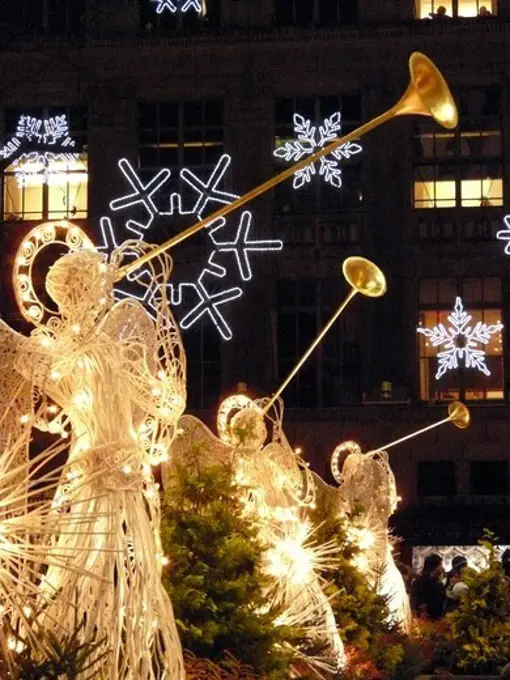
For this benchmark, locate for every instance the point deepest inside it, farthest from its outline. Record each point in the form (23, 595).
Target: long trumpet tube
(458, 415)
(427, 95)
(309, 351)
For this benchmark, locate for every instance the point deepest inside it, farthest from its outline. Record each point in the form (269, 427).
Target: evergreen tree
(480, 626)
(214, 578)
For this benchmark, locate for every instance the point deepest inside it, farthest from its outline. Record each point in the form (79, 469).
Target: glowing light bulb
(165, 561)
(299, 451)
(52, 409)
(156, 391)
(161, 375)
(82, 400)
(24, 419)
(54, 375)
(27, 612)
(165, 411)
(127, 469)
(76, 328)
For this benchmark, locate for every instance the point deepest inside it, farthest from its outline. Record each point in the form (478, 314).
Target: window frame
(316, 13)
(454, 155)
(455, 6)
(79, 133)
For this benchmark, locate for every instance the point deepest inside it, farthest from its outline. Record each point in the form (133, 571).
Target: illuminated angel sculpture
(119, 379)
(368, 490)
(278, 488)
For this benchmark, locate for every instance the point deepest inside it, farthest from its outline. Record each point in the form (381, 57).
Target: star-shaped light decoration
(460, 342)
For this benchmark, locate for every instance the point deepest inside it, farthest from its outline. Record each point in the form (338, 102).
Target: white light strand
(175, 6)
(51, 136)
(311, 138)
(460, 341)
(504, 234)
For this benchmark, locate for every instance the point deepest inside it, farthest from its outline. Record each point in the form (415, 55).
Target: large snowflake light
(36, 144)
(311, 138)
(174, 6)
(504, 235)
(460, 342)
(200, 298)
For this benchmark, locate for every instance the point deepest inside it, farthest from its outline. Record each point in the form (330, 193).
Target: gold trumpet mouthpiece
(364, 276)
(459, 415)
(428, 93)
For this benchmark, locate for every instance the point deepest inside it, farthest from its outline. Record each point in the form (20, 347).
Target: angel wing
(196, 446)
(16, 399)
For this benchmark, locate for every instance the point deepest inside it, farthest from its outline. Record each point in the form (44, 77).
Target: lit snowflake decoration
(199, 298)
(460, 341)
(36, 143)
(174, 6)
(504, 235)
(311, 139)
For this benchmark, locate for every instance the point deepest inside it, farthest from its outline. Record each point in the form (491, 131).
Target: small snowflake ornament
(310, 139)
(460, 342)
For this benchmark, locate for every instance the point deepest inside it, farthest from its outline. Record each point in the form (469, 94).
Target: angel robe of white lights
(368, 484)
(278, 490)
(119, 378)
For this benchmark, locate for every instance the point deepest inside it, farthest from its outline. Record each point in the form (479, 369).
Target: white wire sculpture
(277, 490)
(119, 379)
(368, 491)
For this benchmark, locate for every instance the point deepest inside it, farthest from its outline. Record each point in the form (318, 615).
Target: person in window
(440, 14)
(428, 593)
(455, 586)
(484, 12)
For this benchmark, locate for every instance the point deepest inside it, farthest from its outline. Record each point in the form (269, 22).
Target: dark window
(306, 13)
(177, 135)
(183, 21)
(203, 360)
(54, 17)
(437, 478)
(489, 478)
(331, 376)
(481, 299)
(463, 167)
(319, 192)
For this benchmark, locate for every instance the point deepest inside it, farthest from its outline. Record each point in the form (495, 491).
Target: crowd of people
(434, 593)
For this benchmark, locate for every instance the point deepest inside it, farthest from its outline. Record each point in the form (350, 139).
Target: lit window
(427, 9)
(462, 168)
(481, 299)
(57, 192)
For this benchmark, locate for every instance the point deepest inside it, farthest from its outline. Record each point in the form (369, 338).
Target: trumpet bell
(459, 415)
(428, 94)
(364, 276)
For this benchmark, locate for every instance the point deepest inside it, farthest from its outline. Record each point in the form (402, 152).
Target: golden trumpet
(364, 277)
(427, 95)
(458, 414)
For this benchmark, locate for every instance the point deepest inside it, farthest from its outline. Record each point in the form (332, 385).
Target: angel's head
(81, 284)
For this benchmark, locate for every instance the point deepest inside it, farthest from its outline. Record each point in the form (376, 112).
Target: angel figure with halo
(118, 377)
(277, 488)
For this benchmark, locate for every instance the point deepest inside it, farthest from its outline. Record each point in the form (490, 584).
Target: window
(489, 478)
(437, 478)
(318, 193)
(188, 21)
(203, 361)
(176, 135)
(59, 189)
(462, 168)
(315, 12)
(54, 17)
(425, 9)
(331, 376)
(481, 298)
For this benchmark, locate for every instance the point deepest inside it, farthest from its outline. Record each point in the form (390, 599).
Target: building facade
(163, 86)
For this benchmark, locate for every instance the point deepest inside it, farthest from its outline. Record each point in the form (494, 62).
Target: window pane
(67, 190)
(436, 478)
(22, 202)
(489, 478)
